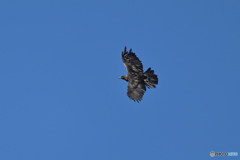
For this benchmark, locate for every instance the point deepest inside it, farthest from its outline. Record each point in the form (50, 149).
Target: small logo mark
(212, 153)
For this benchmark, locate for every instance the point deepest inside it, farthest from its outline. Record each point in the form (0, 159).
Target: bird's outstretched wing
(131, 62)
(136, 89)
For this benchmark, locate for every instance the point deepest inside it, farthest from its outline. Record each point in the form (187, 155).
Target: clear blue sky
(61, 96)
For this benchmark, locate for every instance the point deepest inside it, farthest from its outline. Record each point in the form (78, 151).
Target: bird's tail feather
(150, 78)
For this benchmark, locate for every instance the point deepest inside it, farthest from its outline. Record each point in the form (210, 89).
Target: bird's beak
(120, 77)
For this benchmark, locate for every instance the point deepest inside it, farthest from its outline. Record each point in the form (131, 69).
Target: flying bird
(136, 78)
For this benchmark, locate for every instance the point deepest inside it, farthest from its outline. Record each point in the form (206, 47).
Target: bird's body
(136, 78)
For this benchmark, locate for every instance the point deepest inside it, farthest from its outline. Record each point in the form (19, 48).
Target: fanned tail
(150, 78)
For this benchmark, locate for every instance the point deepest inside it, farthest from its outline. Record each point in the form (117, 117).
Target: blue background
(61, 96)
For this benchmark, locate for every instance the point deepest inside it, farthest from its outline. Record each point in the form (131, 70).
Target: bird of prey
(136, 78)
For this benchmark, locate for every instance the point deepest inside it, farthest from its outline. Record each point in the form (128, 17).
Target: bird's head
(124, 78)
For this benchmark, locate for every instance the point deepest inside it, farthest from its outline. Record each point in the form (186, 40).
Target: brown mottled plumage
(137, 80)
